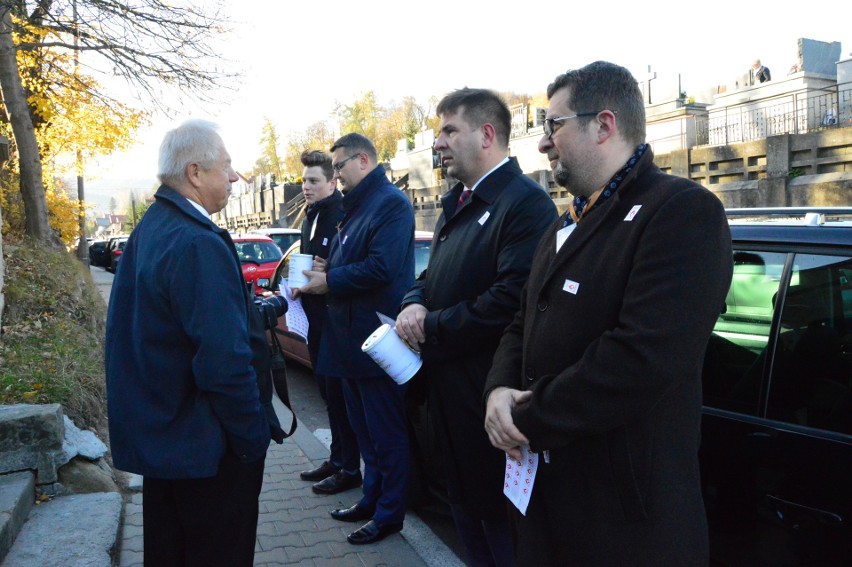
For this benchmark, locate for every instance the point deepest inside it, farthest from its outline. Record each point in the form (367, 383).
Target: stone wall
(781, 171)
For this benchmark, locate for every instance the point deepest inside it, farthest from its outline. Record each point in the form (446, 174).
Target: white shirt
(199, 208)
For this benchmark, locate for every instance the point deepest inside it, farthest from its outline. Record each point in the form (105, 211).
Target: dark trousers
(376, 408)
(344, 443)
(488, 543)
(203, 522)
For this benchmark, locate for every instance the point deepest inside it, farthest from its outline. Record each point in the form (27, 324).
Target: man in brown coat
(600, 372)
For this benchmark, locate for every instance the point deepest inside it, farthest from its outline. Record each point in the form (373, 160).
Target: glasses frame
(341, 164)
(549, 130)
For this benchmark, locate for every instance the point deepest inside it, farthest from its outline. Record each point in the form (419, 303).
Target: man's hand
(316, 284)
(498, 420)
(409, 325)
(319, 265)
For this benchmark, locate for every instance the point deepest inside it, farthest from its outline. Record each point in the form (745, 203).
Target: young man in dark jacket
(323, 210)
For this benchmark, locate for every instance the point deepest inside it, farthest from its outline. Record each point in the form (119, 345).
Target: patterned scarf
(580, 202)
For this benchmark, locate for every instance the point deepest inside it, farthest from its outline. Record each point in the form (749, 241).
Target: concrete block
(31, 437)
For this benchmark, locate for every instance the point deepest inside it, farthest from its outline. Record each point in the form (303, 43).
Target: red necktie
(465, 196)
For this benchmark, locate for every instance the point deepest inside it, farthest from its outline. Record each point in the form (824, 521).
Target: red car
(294, 346)
(259, 256)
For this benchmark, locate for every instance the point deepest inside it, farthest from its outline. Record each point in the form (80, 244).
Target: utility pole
(82, 246)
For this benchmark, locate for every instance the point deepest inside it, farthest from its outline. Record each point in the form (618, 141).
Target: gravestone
(658, 88)
(818, 56)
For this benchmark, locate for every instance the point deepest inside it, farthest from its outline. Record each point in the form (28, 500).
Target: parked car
(295, 346)
(98, 253)
(776, 453)
(259, 256)
(283, 237)
(114, 251)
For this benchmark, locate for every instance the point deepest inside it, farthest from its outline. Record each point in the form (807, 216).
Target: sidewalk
(294, 527)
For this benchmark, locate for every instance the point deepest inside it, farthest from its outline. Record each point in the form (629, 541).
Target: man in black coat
(600, 371)
(456, 312)
(323, 211)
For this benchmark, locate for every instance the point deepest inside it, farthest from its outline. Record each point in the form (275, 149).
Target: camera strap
(279, 379)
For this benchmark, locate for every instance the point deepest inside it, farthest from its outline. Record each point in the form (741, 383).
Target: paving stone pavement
(294, 527)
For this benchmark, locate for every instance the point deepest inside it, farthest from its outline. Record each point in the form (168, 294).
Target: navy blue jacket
(371, 266)
(180, 385)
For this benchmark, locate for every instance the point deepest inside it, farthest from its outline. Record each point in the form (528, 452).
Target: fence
(793, 113)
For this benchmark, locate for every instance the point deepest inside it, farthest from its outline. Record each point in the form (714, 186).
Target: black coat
(479, 261)
(330, 211)
(610, 339)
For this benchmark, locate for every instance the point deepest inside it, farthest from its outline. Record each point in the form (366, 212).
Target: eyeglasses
(549, 123)
(339, 165)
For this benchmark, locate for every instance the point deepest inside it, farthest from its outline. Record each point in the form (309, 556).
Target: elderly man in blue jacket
(369, 269)
(185, 410)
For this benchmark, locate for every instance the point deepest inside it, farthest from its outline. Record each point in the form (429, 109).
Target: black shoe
(325, 470)
(353, 514)
(338, 482)
(371, 533)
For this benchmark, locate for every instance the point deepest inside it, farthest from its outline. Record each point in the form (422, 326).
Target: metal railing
(794, 113)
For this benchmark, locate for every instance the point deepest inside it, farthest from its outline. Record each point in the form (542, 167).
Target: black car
(776, 454)
(98, 253)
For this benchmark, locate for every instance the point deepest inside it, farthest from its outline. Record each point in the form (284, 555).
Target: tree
(402, 121)
(150, 44)
(29, 160)
(318, 136)
(113, 205)
(364, 116)
(136, 209)
(268, 162)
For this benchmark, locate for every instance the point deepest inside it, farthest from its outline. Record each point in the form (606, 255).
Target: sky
(298, 59)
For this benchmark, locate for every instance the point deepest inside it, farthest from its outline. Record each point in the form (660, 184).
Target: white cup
(299, 263)
(392, 353)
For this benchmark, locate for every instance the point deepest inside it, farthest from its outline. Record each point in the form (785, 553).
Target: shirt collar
(199, 208)
(490, 171)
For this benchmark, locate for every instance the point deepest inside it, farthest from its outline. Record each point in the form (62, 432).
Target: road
(310, 409)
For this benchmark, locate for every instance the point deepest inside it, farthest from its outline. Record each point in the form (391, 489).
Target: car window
(284, 241)
(736, 354)
(422, 248)
(812, 368)
(258, 251)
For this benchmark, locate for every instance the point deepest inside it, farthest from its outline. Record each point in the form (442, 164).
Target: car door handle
(824, 516)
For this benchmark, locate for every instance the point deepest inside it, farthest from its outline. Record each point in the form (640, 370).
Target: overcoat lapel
(578, 239)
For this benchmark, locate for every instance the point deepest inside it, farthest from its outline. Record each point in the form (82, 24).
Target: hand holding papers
(519, 478)
(296, 319)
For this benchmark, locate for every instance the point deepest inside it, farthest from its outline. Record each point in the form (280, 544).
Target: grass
(51, 347)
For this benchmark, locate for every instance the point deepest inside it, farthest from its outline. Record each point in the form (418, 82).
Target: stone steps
(73, 531)
(41, 449)
(17, 494)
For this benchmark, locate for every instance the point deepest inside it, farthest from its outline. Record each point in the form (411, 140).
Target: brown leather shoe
(325, 470)
(338, 482)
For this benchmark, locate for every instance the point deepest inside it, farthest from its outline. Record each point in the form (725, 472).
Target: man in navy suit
(369, 269)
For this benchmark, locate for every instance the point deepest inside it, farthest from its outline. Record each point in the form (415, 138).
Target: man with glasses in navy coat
(369, 269)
